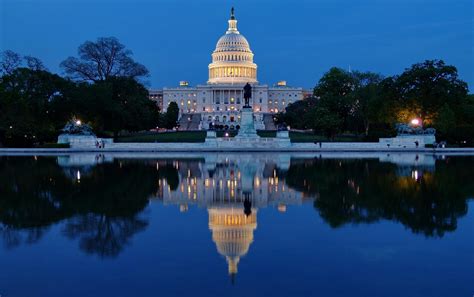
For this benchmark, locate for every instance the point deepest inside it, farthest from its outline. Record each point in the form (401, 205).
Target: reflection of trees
(102, 209)
(13, 237)
(169, 173)
(27, 202)
(363, 191)
(103, 235)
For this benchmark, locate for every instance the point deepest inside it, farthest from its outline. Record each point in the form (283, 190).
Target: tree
(298, 114)
(335, 90)
(34, 63)
(366, 96)
(9, 61)
(446, 120)
(101, 60)
(425, 87)
(171, 116)
(28, 101)
(325, 121)
(116, 104)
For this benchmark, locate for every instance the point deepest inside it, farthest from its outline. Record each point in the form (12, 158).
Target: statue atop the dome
(247, 94)
(232, 16)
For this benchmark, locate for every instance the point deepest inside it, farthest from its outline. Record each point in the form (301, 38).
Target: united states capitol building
(221, 99)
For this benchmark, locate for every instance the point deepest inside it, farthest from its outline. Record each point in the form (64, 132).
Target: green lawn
(309, 137)
(199, 136)
(179, 136)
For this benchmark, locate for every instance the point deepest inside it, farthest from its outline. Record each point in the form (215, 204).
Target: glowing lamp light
(415, 122)
(226, 134)
(78, 122)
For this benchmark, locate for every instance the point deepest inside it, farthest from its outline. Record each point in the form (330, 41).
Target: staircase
(268, 122)
(189, 121)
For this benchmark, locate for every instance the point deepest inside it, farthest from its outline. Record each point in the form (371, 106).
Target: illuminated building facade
(221, 99)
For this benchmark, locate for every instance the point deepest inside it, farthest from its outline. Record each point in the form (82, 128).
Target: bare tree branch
(104, 58)
(9, 61)
(34, 63)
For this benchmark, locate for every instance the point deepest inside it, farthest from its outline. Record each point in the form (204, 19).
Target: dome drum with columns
(220, 100)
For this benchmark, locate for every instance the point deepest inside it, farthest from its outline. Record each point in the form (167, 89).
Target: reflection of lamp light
(281, 207)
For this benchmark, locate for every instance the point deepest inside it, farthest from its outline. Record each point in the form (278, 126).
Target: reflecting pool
(227, 224)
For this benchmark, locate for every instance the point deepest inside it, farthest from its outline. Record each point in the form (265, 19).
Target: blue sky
(293, 40)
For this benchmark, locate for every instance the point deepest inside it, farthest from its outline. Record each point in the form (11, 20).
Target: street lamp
(415, 122)
(78, 122)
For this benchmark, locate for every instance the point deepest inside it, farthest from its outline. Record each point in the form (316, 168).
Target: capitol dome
(232, 60)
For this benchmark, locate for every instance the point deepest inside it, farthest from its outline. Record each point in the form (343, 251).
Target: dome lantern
(232, 23)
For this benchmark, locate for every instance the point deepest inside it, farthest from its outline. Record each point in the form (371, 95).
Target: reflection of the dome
(232, 232)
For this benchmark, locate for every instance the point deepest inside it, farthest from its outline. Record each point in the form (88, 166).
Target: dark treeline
(365, 103)
(101, 87)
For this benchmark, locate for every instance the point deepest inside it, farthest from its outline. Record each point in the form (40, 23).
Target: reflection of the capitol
(232, 192)
(221, 183)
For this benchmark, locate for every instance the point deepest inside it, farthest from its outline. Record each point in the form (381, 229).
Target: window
(203, 109)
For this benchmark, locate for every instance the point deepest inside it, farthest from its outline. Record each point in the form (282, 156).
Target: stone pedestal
(247, 126)
(78, 141)
(283, 134)
(211, 138)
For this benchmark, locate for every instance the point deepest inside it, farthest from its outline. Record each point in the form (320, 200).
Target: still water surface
(236, 225)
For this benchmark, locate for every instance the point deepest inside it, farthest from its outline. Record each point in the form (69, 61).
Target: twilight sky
(293, 40)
